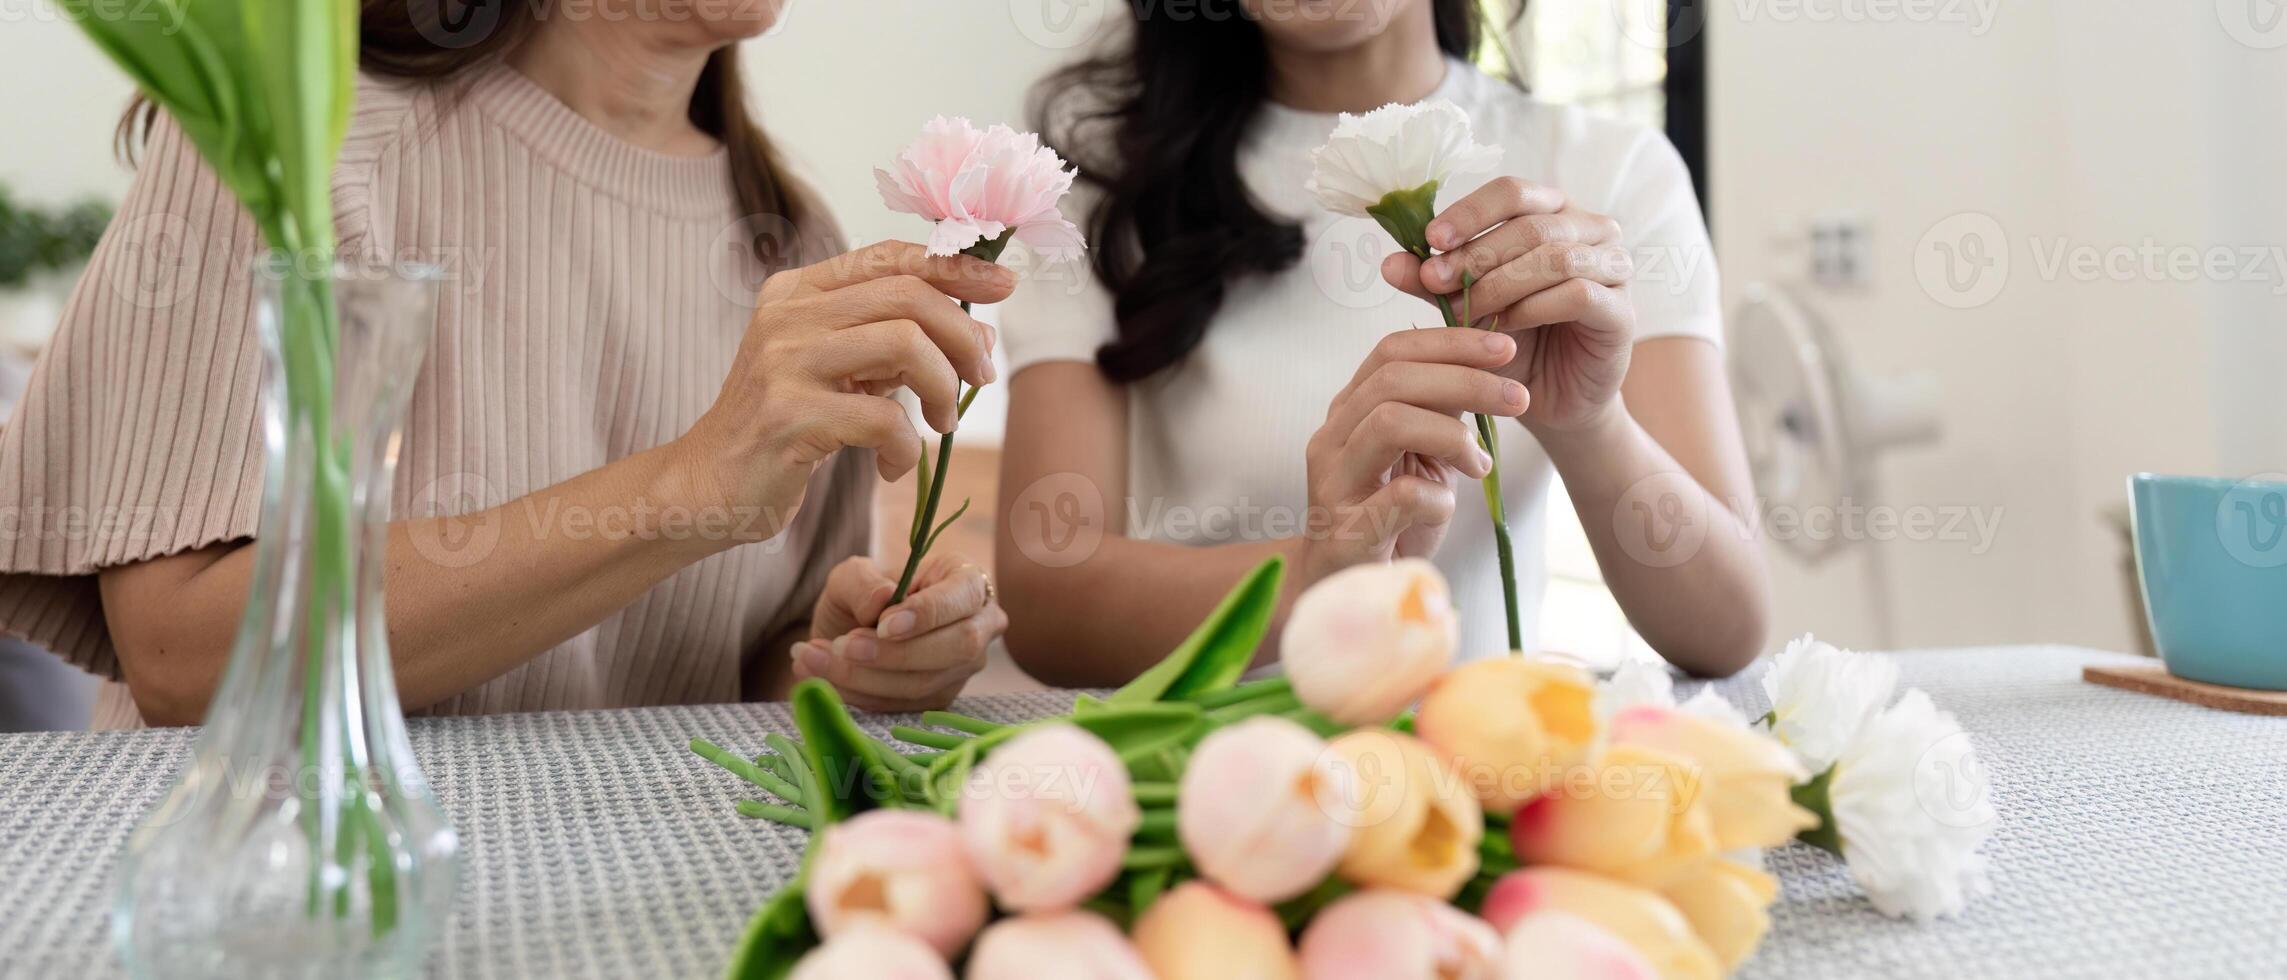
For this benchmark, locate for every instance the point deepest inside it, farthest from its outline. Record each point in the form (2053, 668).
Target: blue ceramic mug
(2212, 556)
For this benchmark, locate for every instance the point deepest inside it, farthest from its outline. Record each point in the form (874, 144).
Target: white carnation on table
(1910, 810)
(1637, 683)
(1821, 697)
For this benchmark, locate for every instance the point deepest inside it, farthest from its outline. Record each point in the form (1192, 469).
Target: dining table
(2136, 836)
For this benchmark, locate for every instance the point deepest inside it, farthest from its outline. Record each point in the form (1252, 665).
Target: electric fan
(1814, 425)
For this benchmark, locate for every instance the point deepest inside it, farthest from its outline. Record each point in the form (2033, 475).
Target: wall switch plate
(1842, 251)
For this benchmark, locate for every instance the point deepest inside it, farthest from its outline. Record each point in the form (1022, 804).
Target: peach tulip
(1047, 817)
(902, 869)
(871, 953)
(1072, 945)
(1636, 814)
(1563, 946)
(1368, 640)
(1512, 726)
(1249, 812)
(1393, 935)
(1750, 777)
(1197, 931)
(1648, 923)
(1728, 904)
(1414, 826)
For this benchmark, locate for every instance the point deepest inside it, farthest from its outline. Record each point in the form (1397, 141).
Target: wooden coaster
(2156, 680)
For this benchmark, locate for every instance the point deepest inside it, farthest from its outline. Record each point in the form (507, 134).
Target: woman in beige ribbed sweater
(626, 477)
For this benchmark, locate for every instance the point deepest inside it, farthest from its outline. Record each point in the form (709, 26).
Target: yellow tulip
(1648, 923)
(1414, 827)
(1638, 814)
(1728, 905)
(1511, 726)
(1750, 777)
(1200, 932)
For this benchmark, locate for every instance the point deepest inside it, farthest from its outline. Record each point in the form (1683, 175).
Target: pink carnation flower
(978, 186)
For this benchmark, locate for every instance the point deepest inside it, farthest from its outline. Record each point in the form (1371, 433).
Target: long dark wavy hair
(1156, 126)
(439, 40)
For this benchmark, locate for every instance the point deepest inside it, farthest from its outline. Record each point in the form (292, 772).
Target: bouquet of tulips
(1520, 821)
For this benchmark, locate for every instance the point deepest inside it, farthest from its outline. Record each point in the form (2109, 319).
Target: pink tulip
(979, 185)
(1047, 817)
(1249, 810)
(1200, 932)
(1366, 641)
(1511, 726)
(1065, 945)
(872, 953)
(1394, 935)
(1646, 922)
(900, 869)
(1563, 946)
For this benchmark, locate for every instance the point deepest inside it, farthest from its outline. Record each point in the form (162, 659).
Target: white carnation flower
(1396, 149)
(1910, 808)
(1713, 707)
(1822, 696)
(1636, 684)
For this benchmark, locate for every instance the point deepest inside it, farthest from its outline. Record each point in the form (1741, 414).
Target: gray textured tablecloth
(2139, 837)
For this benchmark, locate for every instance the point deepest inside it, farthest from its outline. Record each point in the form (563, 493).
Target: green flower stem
(1212, 700)
(925, 527)
(1817, 796)
(925, 737)
(776, 814)
(751, 772)
(1494, 848)
(1488, 440)
(1153, 794)
(1324, 727)
(1158, 824)
(960, 723)
(1153, 856)
(1267, 705)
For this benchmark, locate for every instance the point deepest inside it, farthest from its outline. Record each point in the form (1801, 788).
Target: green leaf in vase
(1216, 654)
(304, 86)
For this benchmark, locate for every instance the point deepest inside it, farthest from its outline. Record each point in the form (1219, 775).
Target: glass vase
(300, 839)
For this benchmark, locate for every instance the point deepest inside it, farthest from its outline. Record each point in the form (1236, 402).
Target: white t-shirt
(1215, 444)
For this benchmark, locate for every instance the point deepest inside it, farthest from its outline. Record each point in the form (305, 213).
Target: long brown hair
(439, 40)
(1156, 125)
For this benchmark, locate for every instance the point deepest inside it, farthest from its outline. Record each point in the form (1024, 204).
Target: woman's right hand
(1383, 466)
(826, 344)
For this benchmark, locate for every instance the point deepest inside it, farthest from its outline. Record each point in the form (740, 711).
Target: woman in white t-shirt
(1236, 373)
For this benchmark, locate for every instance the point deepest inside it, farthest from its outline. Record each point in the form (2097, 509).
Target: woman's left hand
(1547, 273)
(922, 651)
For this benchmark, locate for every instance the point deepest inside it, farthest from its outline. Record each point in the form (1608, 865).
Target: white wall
(843, 85)
(62, 101)
(2102, 124)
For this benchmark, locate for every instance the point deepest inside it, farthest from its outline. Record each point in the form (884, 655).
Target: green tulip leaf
(776, 937)
(1216, 654)
(847, 763)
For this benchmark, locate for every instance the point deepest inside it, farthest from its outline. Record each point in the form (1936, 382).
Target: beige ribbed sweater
(596, 294)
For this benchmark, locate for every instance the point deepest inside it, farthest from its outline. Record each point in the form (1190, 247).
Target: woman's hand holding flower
(1546, 272)
(1383, 467)
(826, 343)
(925, 648)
